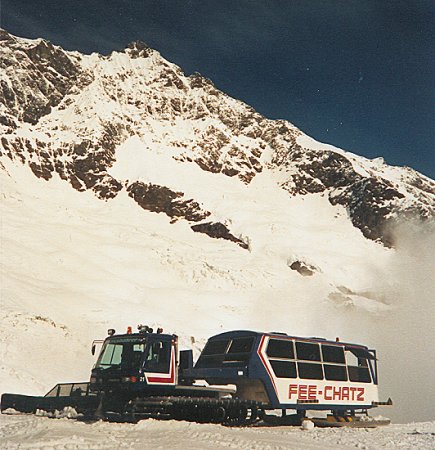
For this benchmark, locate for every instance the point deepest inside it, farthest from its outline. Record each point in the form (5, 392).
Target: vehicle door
(159, 364)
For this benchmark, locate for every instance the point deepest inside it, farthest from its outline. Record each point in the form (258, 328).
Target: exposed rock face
(365, 200)
(66, 114)
(219, 231)
(161, 199)
(317, 171)
(81, 164)
(306, 270)
(46, 73)
(372, 202)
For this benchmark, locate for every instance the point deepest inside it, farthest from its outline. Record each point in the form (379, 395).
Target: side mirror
(94, 345)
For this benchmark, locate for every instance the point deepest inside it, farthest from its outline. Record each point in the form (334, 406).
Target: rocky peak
(198, 81)
(138, 49)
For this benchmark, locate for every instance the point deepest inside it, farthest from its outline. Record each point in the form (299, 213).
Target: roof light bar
(144, 329)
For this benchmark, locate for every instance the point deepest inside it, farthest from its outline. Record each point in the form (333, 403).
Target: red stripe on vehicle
(260, 347)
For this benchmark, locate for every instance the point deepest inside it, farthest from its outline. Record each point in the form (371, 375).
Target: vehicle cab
(132, 361)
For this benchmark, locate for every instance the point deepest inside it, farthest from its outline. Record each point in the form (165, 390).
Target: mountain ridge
(67, 113)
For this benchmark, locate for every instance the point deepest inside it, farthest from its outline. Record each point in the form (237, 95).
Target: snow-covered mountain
(67, 113)
(132, 192)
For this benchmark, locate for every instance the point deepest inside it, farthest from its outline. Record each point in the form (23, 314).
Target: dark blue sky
(357, 74)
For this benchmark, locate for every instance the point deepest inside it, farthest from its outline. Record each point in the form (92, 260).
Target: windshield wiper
(112, 366)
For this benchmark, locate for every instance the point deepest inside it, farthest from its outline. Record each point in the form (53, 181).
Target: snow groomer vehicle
(241, 377)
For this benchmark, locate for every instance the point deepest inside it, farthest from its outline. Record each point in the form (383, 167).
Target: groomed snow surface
(31, 432)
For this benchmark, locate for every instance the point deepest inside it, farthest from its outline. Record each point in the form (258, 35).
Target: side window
(217, 347)
(279, 352)
(213, 353)
(336, 369)
(136, 357)
(239, 351)
(226, 352)
(280, 348)
(310, 371)
(284, 369)
(333, 354)
(357, 367)
(308, 351)
(158, 357)
(335, 372)
(241, 345)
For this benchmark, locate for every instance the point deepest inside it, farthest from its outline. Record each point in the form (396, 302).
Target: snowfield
(31, 432)
(73, 266)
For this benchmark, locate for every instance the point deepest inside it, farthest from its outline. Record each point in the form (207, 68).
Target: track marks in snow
(30, 432)
(40, 433)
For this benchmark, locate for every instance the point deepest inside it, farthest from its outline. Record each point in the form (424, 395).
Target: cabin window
(284, 369)
(335, 372)
(280, 348)
(159, 357)
(64, 390)
(241, 345)
(357, 366)
(333, 354)
(359, 374)
(310, 371)
(308, 351)
(226, 352)
(239, 350)
(217, 347)
(112, 355)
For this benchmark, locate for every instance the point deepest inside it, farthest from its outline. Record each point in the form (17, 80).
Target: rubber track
(230, 412)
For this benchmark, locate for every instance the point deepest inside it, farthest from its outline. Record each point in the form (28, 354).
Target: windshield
(126, 354)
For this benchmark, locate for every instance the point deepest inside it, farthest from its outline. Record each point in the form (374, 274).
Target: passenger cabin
(289, 372)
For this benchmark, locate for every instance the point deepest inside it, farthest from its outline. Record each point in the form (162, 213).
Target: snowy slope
(132, 193)
(71, 258)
